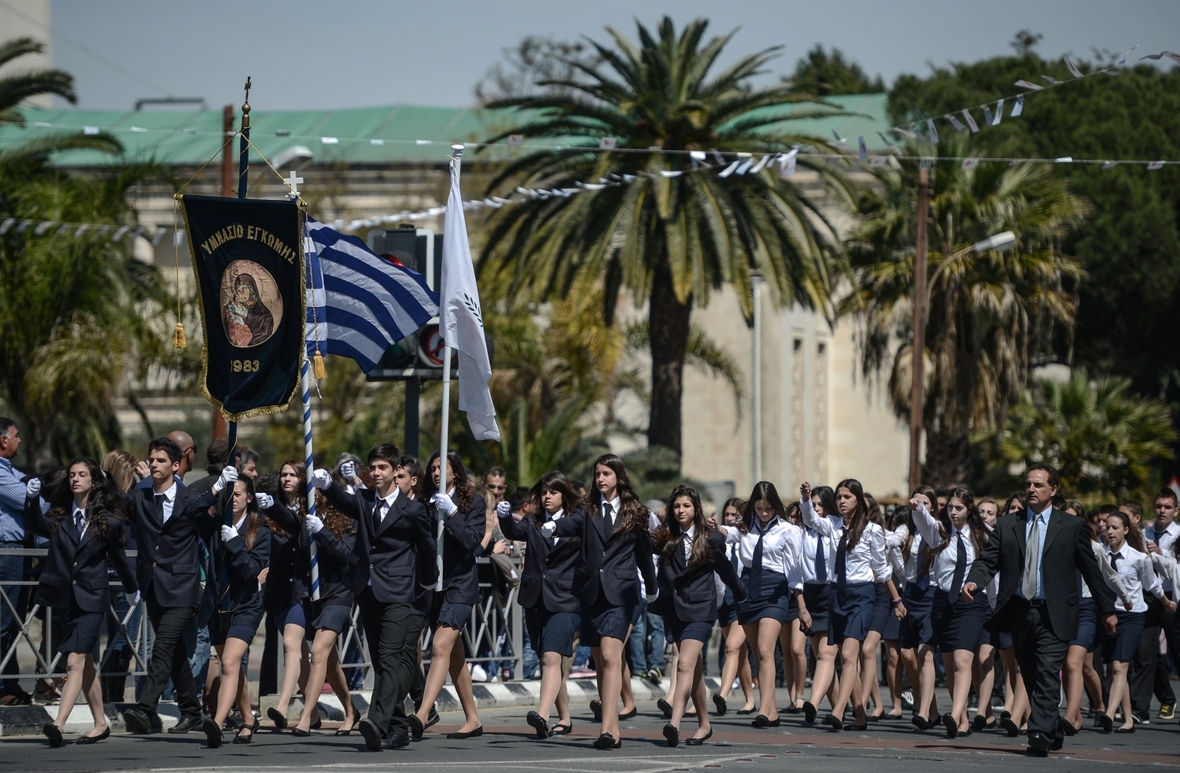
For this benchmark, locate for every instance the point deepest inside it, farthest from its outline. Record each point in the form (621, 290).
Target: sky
(353, 53)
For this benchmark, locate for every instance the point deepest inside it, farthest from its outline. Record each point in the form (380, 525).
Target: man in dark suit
(392, 568)
(169, 519)
(1039, 554)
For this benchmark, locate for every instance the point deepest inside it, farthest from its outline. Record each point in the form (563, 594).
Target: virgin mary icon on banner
(250, 304)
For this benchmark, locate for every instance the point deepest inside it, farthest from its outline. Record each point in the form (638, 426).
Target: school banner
(248, 263)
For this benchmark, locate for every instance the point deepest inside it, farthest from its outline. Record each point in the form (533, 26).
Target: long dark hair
(1017, 497)
(1134, 537)
(1080, 509)
(335, 521)
(464, 496)
(252, 516)
(104, 503)
(300, 469)
(979, 530)
(699, 554)
(860, 516)
(635, 516)
(763, 489)
(556, 481)
(738, 504)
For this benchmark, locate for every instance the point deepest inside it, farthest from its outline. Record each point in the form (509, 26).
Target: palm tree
(992, 315)
(1102, 438)
(671, 236)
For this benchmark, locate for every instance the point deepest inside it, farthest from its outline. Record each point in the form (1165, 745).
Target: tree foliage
(824, 74)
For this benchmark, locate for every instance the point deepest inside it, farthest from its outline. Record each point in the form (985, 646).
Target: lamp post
(756, 377)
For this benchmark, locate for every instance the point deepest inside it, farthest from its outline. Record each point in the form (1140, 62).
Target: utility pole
(227, 190)
(919, 347)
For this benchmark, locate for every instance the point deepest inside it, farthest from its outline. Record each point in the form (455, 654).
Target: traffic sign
(430, 346)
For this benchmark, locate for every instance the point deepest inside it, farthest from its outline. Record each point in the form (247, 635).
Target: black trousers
(169, 659)
(392, 632)
(1141, 674)
(1040, 654)
(1163, 672)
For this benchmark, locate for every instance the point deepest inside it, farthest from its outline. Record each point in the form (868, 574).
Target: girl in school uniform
(86, 536)
(793, 639)
(882, 615)
(548, 587)
(817, 587)
(1137, 572)
(771, 550)
(690, 557)
(335, 537)
(616, 550)
(285, 590)
(858, 550)
(240, 552)
(957, 537)
(1014, 716)
(737, 661)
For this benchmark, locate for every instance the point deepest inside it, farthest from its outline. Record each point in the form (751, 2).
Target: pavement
(509, 745)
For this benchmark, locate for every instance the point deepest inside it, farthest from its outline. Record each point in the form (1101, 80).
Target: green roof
(365, 135)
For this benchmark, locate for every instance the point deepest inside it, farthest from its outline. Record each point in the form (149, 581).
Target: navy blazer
(692, 595)
(76, 573)
(610, 557)
(1066, 552)
(551, 572)
(399, 558)
(463, 535)
(168, 564)
(242, 567)
(290, 569)
(333, 554)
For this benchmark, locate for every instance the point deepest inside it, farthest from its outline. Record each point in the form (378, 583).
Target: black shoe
(239, 738)
(476, 733)
(632, 714)
(319, 721)
(762, 721)
(1057, 744)
(745, 712)
(1038, 744)
(213, 734)
(919, 723)
(416, 726)
(701, 740)
(672, 734)
(372, 734)
(1067, 727)
(720, 703)
(596, 709)
(809, 712)
(89, 739)
(280, 720)
(1005, 715)
(538, 723)
(607, 741)
(395, 741)
(432, 718)
(562, 729)
(138, 722)
(53, 733)
(979, 723)
(952, 726)
(1106, 723)
(1130, 729)
(186, 724)
(792, 709)
(834, 722)
(1010, 727)
(300, 733)
(664, 707)
(857, 728)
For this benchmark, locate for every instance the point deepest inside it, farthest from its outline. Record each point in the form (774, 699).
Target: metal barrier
(493, 626)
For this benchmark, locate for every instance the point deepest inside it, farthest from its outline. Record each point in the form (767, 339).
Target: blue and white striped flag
(358, 303)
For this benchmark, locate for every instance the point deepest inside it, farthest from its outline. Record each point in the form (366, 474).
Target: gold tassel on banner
(178, 339)
(317, 365)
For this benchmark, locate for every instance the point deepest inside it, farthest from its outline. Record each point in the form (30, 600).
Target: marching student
(548, 586)
(690, 556)
(615, 542)
(285, 591)
(956, 537)
(1137, 572)
(169, 519)
(391, 571)
(464, 529)
(737, 661)
(86, 537)
(917, 628)
(239, 556)
(858, 550)
(869, 688)
(817, 573)
(793, 639)
(771, 550)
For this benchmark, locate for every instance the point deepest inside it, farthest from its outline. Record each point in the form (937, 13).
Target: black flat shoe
(633, 713)
(89, 739)
(892, 717)
(239, 738)
(834, 722)
(809, 712)
(720, 703)
(1130, 729)
(432, 718)
(1106, 723)
(300, 733)
(919, 723)
(874, 717)
(664, 707)
(672, 735)
(279, 719)
(1067, 727)
(952, 727)
(538, 723)
(213, 734)
(1005, 715)
(762, 721)
(607, 741)
(746, 712)
(1009, 727)
(371, 734)
(319, 721)
(562, 729)
(699, 741)
(53, 733)
(596, 709)
(476, 733)
(342, 731)
(416, 726)
(792, 709)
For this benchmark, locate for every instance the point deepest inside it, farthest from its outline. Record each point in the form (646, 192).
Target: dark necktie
(960, 565)
(606, 513)
(79, 523)
(842, 568)
(755, 589)
(923, 578)
(735, 559)
(160, 507)
(821, 566)
(1114, 560)
(378, 515)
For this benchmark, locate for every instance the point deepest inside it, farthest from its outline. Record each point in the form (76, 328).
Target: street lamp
(756, 376)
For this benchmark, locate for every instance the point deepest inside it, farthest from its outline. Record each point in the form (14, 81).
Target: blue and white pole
(305, 388)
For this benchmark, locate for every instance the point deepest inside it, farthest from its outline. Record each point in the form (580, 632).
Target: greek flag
(358, 303)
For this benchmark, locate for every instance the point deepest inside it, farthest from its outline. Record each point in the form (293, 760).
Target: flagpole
(457, 164)
(308, 450)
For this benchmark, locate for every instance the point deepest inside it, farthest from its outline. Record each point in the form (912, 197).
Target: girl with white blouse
(817, 591)
(858, 552)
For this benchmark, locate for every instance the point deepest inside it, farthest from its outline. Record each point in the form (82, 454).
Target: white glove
(228, 476)
(33, 488)
(265, 501)
(321, 479)
(444, 503)
(134, 598)
(313, 524)
(228, 533)
(348, 470)
(503, 509)
(653, 596)
(548, 528)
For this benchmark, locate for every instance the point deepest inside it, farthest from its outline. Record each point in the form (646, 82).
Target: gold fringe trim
(317, 365)
(178, 339)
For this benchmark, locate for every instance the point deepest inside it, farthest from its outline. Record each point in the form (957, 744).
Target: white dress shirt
(169, 500)
(943, 571)
(866, 562)
(782, 548)
(813, 541)
(1164, 538)
(908, 566)
(384, 504)
(1138, 574)
(1108, 573)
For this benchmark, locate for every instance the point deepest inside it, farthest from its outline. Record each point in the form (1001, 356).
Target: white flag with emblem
(461, 320)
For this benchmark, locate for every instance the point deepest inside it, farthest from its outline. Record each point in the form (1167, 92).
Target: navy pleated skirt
(1127, 633)
(958, 624)
(817, 596)
(882, 610)
(852, 615)
(774, 601)
(1087, 626)
(917, 627)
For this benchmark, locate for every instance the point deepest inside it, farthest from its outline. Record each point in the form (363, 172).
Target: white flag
(461, 320)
